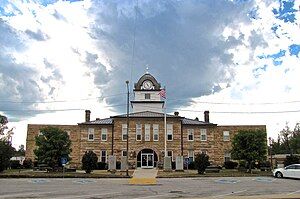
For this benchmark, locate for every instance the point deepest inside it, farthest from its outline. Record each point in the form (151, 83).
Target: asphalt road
(166, 188)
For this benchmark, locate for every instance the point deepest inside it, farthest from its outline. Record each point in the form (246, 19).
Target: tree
(21, 151)
(291, 159)
(52, 144)
(201, 162)
(250, 146)
(89, 161)
(6, 150)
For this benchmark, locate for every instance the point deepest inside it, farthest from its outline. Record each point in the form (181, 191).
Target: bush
(230, 165)
(27, 163)
(291, 159)
(101, 166)
(89, 161)
(15, 164)
(201, 162)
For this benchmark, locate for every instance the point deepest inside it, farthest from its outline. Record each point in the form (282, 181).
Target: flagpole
(165, 122)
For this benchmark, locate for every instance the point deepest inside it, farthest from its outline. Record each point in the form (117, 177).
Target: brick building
(185, 137)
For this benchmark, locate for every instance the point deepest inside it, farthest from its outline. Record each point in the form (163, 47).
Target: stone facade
(106, 136)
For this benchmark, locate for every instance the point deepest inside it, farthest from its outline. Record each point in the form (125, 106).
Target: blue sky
(219, 55)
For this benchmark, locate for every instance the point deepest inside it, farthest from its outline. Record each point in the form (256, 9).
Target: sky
(239, 59)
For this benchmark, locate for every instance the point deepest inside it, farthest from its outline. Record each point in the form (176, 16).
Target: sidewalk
(144, 177)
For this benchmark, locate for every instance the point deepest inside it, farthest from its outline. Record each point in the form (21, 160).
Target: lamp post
(270, 142)
(127, 133)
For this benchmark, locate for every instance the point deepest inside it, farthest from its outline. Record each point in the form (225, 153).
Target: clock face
(147, 84)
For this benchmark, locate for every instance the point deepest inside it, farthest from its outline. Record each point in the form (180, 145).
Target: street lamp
(127, 133)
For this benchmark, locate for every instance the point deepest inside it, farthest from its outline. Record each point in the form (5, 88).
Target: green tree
(89, 161)
(52, 144)
(201, 162)
(250, 146)
(6, 152)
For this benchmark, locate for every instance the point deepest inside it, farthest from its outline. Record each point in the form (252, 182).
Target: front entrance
(146, 159)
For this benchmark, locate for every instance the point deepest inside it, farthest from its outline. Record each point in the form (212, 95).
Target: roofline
(156, 102)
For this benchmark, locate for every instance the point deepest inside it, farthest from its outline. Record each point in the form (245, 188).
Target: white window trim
(102, 156)
(188, 134)
(193, 154)
(124, 126)
(156, 133)
(104, 131)
(91, 131)
(123, 152)
(226, 140)
(203, 132)
(227, 155)
(171, 132)
(147, 132)
(140, 132)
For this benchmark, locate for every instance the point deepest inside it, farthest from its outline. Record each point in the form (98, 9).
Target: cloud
(181, 41)
(39, 36)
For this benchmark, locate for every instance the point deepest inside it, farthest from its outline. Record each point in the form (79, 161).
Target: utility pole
(127, 134)
(270, 142)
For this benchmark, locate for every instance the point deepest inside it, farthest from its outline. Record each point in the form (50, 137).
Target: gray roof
(195, 122)
(100, 121)
(146, 114)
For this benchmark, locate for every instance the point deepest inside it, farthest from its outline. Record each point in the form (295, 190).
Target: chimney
(87, 115)
(206, 116)
(176, 113)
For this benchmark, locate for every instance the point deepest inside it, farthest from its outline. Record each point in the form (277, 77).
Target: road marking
(154, 196)
(294, 192)
(24, 194)
(228, 194)
(227, 181)
(84, 181)
(39, 181)
(264, 179)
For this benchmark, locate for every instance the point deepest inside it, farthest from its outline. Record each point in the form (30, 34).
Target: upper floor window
(138, 132)
(226, 136)
(147, 96)
(147, 132)
(169, 132)
(190, 134)
(203, 135)
(155, 132)
(104, 134)
(124, 132)
(90, 134)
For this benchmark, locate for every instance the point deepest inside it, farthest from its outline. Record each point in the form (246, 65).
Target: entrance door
(147, 160)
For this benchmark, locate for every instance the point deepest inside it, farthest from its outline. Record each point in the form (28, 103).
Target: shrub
(291, 159)
(192, 165)
(230, 165)
(15, 164)
(201, 162)
(27, 163)
(101, 166)
(89, 161)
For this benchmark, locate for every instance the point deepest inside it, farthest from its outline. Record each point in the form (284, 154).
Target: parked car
(291, 171)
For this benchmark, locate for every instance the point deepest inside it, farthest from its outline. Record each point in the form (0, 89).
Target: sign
(63, 161)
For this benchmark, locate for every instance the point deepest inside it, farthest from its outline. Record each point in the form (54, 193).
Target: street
(166, 188)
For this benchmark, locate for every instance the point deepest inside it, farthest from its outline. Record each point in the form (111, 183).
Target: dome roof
(149, 77)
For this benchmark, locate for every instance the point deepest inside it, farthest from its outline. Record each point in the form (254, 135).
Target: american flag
(162, 93)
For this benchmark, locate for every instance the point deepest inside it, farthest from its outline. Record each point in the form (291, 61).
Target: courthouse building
(184, 137)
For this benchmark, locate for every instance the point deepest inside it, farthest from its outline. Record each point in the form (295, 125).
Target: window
(104, 134)
(169, 132)
(227, 156)
(147, 96)
(226, 136)
(147, 132)
(203, 135)
(191, 155)
(170, 154)
(124, 132)
(190, 134)
(90, 134)
(124, 153)
(155, 132)
(103, 156)
(138, 132)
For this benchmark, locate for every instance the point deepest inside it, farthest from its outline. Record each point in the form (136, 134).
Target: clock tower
(146, 95)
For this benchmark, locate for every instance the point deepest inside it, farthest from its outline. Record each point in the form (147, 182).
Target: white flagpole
(165, 122)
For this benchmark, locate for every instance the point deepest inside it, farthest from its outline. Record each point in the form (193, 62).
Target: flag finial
(147, 69)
